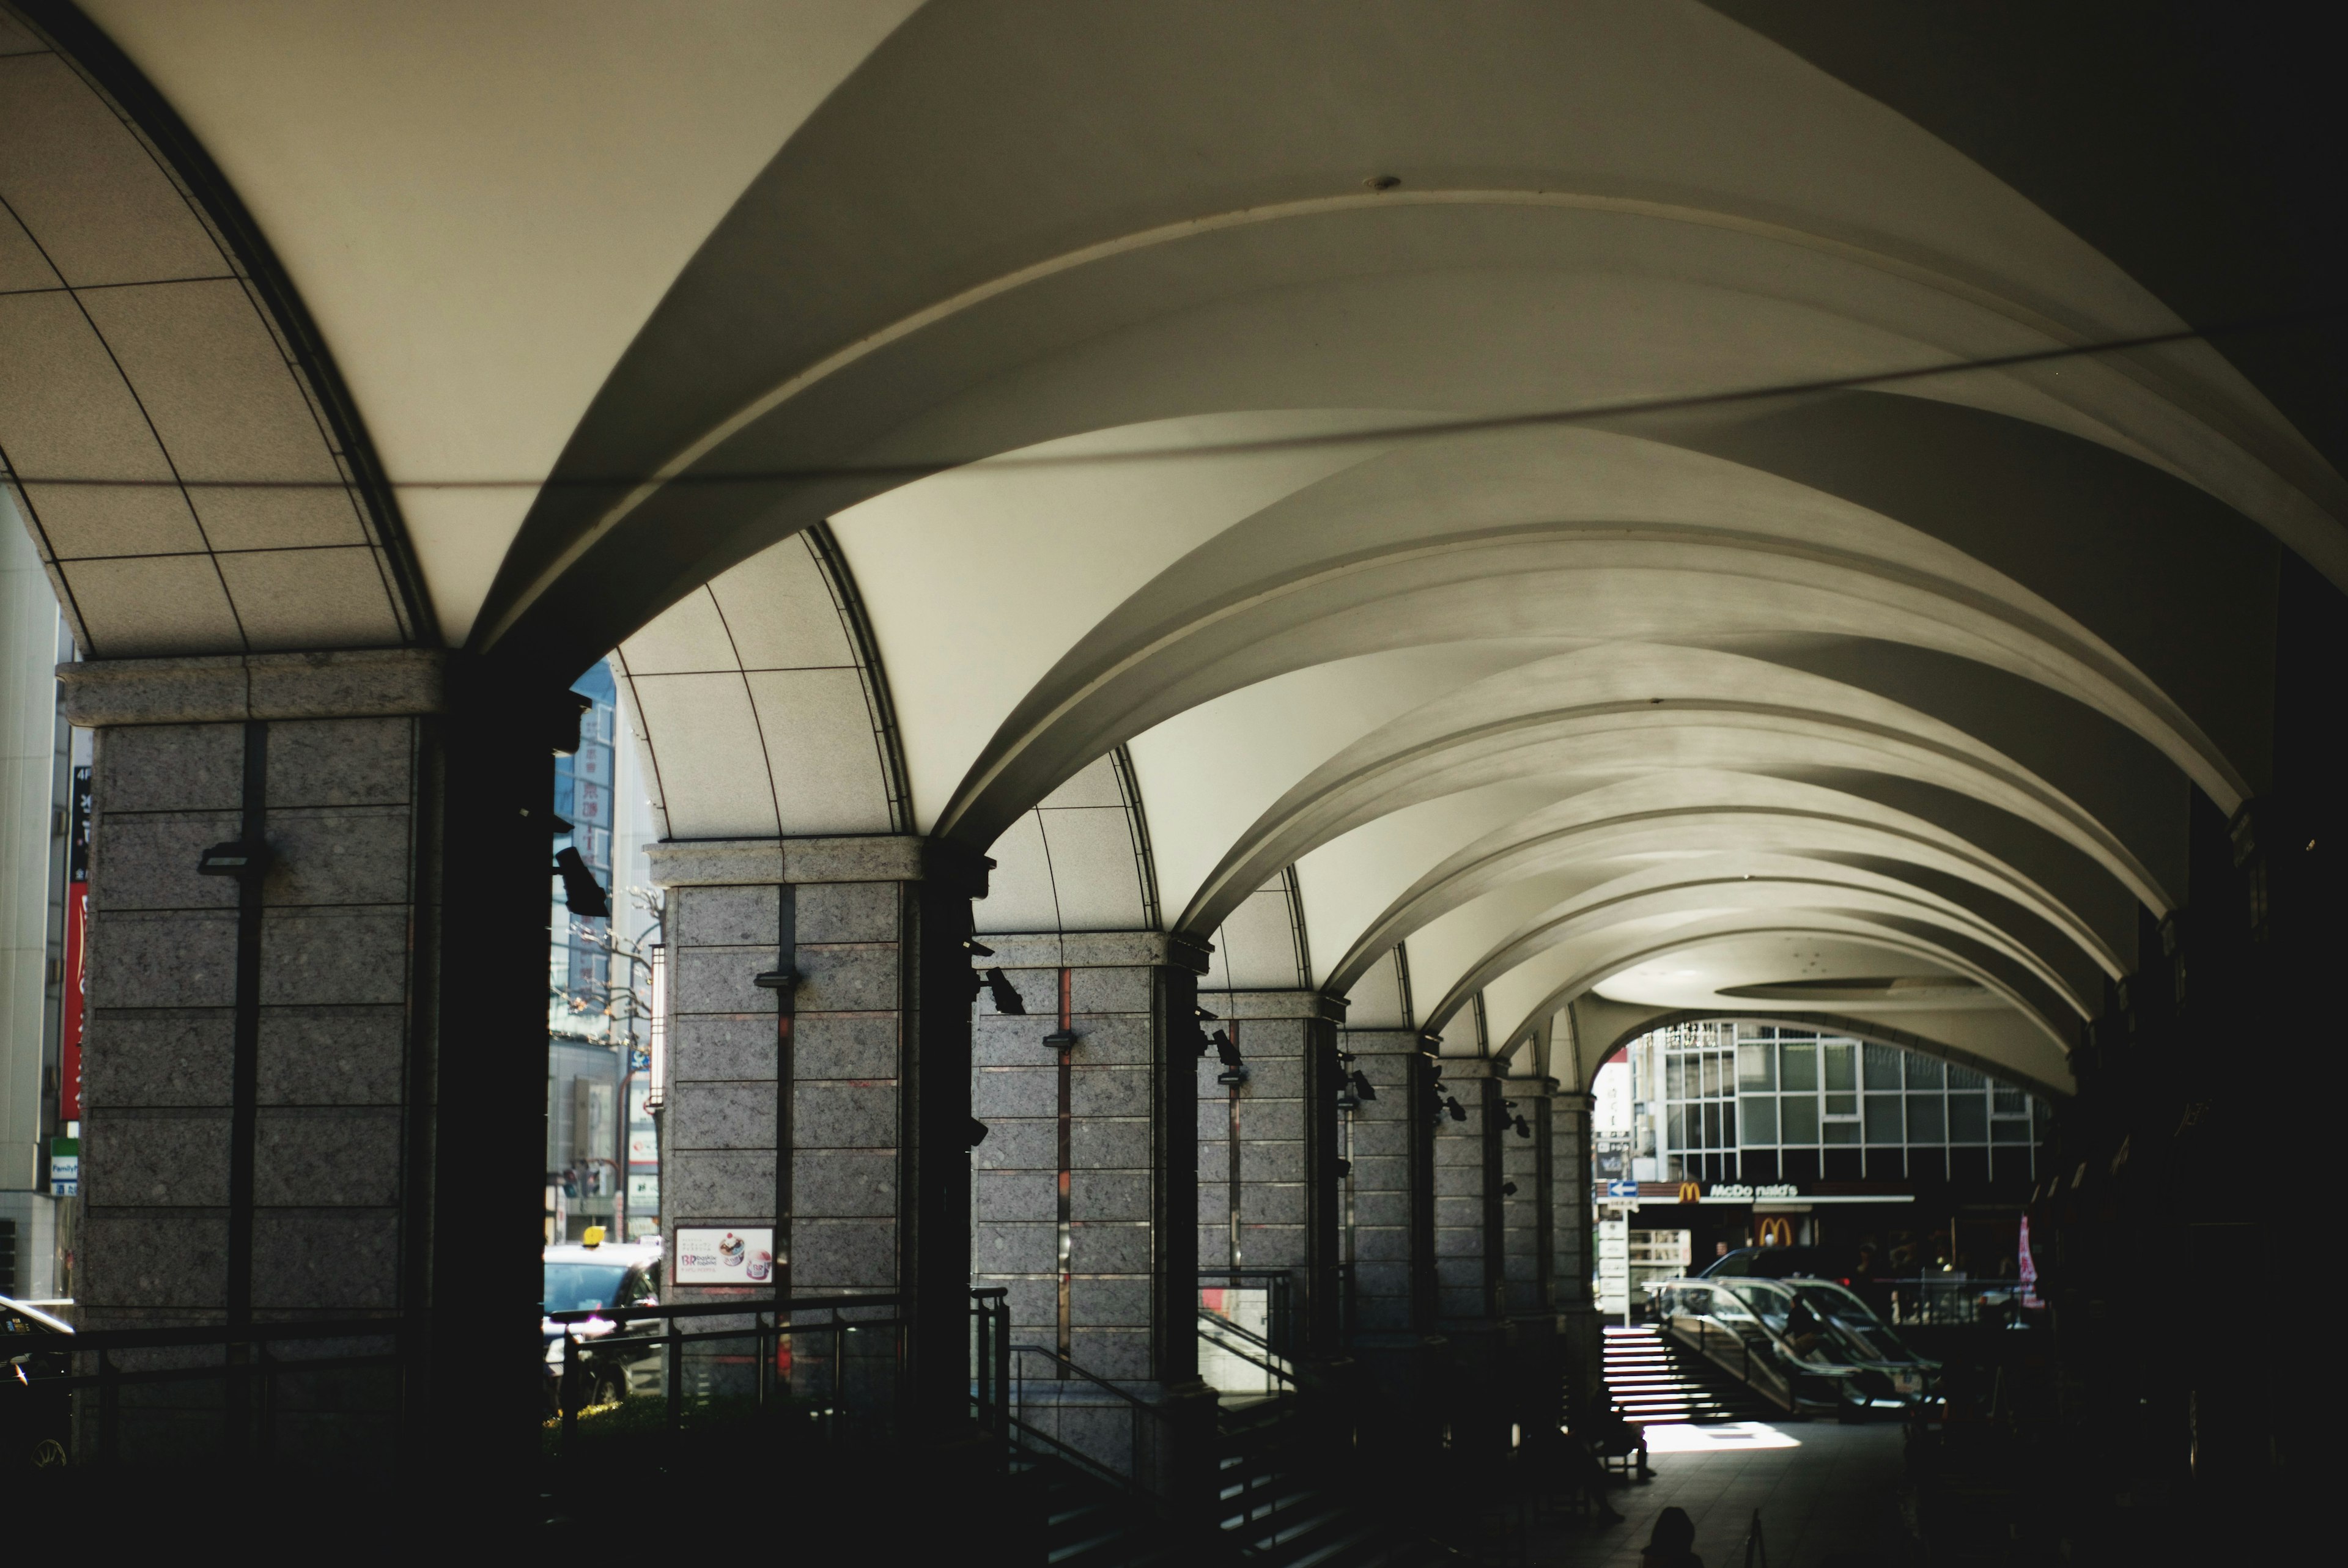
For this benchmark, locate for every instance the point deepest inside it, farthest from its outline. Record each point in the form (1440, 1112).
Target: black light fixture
(1061, 1038)
(1346, 1099)
(1202, 1013)
(1364, 1090)
(1344, 1169)
(978, 1131)
(1007, 995)
(1523, 1130)
(1458, 1112)
(1507, 1189)
(775, 980)
(1234, 1070)
(238, 860)
(581, 892)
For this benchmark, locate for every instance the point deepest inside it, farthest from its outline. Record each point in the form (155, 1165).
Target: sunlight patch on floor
(1678, 1438)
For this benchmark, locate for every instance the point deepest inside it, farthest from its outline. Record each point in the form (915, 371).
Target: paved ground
(1829, 1497)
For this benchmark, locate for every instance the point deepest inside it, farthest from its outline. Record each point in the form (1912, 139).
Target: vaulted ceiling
(1568, 504)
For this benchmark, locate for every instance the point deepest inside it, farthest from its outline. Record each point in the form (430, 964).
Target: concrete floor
(1828, 1496)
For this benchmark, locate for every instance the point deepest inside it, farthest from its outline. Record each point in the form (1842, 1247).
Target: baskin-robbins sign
(725, 1255)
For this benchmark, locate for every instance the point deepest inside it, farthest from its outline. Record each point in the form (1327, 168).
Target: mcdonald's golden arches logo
(1690, 1192)
(1776, 1230)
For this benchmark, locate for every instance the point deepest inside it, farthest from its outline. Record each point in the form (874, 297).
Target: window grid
(1761, 1102)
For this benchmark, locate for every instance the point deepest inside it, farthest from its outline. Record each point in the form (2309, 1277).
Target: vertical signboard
(1614, 1265)
(75, 979)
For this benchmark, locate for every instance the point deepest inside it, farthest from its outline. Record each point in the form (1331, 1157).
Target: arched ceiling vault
(1176, 384)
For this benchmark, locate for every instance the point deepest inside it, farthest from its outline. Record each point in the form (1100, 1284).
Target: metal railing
(1052, 1406)
(352, 1375)
(1241, 1345)
(1279, 1288)
(1938, 1300)
(1713, 1338)
(832, 1366)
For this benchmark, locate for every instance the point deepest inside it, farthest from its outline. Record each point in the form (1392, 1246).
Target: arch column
(1269, 1190)
(303, 1071)
(1086, 1184)
(835, 1106)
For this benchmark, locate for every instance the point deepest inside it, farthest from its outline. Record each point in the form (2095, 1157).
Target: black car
(35, 1422)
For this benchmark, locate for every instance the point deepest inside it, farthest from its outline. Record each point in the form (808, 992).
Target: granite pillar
(1388, 1236)
(1083, 1188)
(303, 1070)
(1470, 1211)
(1528, 1243)
(1573, 1245)
(817, 987)
(1268, 1150)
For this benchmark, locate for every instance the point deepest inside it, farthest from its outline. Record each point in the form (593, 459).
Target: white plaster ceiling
(481, 203)
(1913, 682)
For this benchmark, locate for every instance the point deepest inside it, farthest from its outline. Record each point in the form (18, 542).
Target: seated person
(1608, 1431)
(1802, 1331)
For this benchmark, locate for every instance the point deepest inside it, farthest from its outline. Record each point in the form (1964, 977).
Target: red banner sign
(77, 974)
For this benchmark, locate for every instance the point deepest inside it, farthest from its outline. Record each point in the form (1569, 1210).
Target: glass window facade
(1764, 1103)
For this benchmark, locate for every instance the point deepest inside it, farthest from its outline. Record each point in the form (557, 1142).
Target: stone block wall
(847, 940)
(1524, 1214)
(1127, 998)
(1378, 1191)
(1465, 1185)
(329, 1154)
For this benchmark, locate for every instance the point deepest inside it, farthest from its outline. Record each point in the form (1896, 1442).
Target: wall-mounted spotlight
(1202, 1013)
(1344, 1169)
(1062, 1039)
(581, 892)
(1523, 1129)
(243, 860)
(1364, 1090)
(775, 980)
(978, 1131)
(1456, 1112)
(1234, 1069)
(1005, 995)
(1507, 1189)
(1346, 1099)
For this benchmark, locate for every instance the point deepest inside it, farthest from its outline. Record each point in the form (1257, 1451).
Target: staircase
(1654, 1381)
(1272, 1513)
(1089, 1524)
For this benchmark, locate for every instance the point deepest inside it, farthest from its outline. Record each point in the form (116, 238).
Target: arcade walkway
(1829, 1494)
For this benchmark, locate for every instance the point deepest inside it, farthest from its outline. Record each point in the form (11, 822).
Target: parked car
(614, 1355)
(35, 1422)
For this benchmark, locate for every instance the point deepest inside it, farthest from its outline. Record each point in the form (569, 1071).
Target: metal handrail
(771, 1316)
(1793, 1358)
(1143, 1431)
(245, 1360)
(722, 1308)
(95, 1339)
(1127, 1395)
(1269, 1361)
(1279, 1286)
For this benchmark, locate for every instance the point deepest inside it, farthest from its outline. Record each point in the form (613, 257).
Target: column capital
(862, 857)
(1097, 950)
(1278, 1004)
(346, 684)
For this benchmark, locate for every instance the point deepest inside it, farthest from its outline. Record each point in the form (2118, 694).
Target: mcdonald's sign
(1776, 1230)
(1690, 1192)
